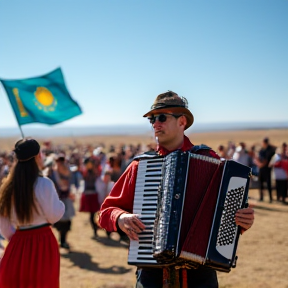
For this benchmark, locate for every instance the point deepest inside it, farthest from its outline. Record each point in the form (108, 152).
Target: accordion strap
(146, 155)
(153, 154)
(197, 148)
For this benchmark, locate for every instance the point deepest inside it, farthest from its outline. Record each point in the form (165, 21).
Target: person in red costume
(29, 204)
(170, 117)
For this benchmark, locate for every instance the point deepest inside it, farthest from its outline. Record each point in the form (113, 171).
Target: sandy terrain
(262, 251)
(212, 139)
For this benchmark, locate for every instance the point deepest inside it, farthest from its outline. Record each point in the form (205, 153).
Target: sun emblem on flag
(44, 99)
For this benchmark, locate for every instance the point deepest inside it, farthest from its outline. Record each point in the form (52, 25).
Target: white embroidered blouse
(50, 209)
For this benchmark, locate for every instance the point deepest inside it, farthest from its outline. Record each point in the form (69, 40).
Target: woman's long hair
(18, 190)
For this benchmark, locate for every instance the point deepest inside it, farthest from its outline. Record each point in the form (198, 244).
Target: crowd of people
(90, 172)
(269, 165)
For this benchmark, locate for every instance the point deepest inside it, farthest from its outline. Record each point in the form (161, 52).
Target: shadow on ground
(265, 208)
(275, 206)
(83, 260)
(112, 242)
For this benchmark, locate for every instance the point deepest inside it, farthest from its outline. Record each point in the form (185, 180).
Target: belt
(33, 227)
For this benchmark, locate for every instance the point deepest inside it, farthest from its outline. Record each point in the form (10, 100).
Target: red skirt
(31, 260)
(89, 203)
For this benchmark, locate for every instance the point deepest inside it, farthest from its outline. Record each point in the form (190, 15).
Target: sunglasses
(161, 118)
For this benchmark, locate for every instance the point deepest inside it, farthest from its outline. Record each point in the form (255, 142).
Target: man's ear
(183, 121)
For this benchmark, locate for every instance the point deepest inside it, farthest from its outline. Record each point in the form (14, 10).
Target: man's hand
(244, 218)
(131, 225)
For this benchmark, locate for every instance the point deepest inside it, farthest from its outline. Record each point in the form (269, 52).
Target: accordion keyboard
(145, 205)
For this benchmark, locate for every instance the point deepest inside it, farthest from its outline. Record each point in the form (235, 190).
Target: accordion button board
(228, 229)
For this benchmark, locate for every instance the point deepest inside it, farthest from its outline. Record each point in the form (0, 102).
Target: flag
(43, 99)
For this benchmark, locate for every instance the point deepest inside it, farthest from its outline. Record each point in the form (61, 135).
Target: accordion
(188, 203)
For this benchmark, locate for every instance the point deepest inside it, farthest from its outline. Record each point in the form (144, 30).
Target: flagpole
(21, 130)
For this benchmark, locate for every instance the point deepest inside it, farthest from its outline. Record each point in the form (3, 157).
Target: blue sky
(229, 58)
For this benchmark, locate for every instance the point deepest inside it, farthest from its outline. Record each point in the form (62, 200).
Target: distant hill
(54, 131)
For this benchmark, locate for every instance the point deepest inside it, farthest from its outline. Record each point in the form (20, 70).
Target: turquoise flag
(43, 99)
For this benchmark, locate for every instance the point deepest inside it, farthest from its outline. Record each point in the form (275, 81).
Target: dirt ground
(262, 251)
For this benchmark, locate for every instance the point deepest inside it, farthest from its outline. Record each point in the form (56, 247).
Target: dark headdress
(26, 149)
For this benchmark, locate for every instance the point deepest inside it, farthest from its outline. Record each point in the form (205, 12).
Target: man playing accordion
(169, 117)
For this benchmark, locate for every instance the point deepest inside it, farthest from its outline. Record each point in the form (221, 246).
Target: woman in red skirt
(29, 204)
(89, 198)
